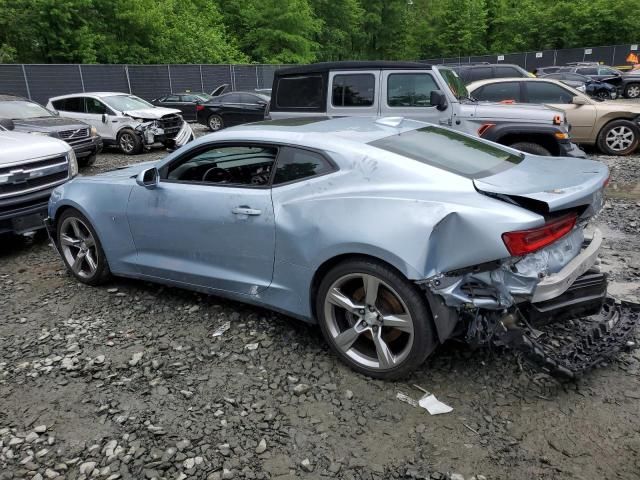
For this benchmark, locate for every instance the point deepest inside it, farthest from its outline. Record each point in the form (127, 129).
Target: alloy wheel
(620, 138)
(368, 321)
(78, 247)
(127, 142)
(215, 123)
(633, 91)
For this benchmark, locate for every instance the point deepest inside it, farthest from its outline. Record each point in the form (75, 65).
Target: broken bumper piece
(573, 347)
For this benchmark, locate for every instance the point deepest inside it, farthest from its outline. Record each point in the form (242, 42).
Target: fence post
(26, 82)
(201, 80)
(232, 74)
(126, 71)
(257, 82)
(169, 73)
(613, 57)
(555, 57)
(81, 77)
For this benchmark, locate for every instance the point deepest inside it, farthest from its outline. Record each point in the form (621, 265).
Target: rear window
(450, 151)
(303, 92)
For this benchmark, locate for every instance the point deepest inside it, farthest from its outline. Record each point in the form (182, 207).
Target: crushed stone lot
(128, 381)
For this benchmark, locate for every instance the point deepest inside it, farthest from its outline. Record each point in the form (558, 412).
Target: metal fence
(614, 55)
(41, 82)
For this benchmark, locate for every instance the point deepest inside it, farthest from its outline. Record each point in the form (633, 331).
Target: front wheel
(129, 142)
(81, 249)
(632, 90)
(619, 137)
(374, 319)
(533, 148)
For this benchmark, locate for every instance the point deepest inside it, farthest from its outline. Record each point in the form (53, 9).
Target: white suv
(125, 120)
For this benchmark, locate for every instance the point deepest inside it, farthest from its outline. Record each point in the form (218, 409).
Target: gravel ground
(128, 381)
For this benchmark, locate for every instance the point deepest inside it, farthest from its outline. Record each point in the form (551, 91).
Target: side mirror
(104, 118)
(7, 124)
(148, 178)
(438, 100)
(579, 100)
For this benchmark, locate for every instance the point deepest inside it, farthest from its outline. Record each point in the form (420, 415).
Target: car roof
(90, 94)
(323, 67)
(323, 132)
(480, 83)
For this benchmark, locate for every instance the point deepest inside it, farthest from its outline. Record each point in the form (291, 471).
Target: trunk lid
(556, 183)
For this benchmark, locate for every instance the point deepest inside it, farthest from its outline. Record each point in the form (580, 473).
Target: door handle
(244, 210)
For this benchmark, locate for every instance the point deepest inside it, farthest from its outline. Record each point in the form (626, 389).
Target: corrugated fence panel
(149, 81)
(12, 80)
(46, 81)
(105, 78)
(569, 55)
(185, 78)
(215, 75)
(245, 77)
(599, 54)
(514, 58)
(544, 58)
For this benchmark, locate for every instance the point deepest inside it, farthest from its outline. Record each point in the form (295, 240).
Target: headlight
(73, 163)
(94, 131)
(46, 134)
(582, 88)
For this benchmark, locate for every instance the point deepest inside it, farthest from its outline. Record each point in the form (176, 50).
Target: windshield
(21, 109)
(122, 103)
(456, 85)
(450, 151)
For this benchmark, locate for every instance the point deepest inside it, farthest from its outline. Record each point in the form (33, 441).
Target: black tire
(603, 94)
(87, 161)
(215, 122)
(632, 90)
(102, 272)
(129, 142)
(533, 148)
(609, 130)
(424, 332)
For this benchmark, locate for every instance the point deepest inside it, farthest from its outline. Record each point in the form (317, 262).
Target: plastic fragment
(434, 406)
(221, 329)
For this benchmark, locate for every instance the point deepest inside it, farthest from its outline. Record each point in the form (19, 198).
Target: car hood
(47, 124)
(558, 183)
(514, 111)
(152, 113)
(16, 147)
(605, 107)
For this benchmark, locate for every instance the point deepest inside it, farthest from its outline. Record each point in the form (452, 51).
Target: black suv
(482, 71)
(31, 117)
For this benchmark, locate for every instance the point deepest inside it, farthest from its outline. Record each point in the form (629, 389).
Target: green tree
(341, 29)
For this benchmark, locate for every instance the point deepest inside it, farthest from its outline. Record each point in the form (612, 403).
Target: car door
(353, 93)
(253, 108)
(582, 118)
(230, 108)
(188, 107)
(407, 93)
(209, 221)
(100, 116)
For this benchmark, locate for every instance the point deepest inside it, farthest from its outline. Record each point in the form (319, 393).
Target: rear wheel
(215, 123)
(81, 249)
(529, 147)
(619, 137)
(376, 320)
(129, 142)
(632, 90)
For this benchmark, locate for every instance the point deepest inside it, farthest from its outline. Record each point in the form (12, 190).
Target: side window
(356, 90)
(172, 98)
(606, 71)
(189, 98)
(499, 92)
(507, 72)
(479, 73)
(74, 104)
(236, 165)
(301, 93)
(248, 98)
(232, 98)
(542, 92)
(295, 164)
(95, 106)
(587, 71)
(410, 89)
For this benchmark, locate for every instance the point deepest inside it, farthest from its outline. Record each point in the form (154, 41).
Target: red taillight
(199, 108)
(527, 241)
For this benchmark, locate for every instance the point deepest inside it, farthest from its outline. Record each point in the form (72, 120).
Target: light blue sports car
(394, 235)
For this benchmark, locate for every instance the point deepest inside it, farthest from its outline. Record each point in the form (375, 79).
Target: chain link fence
(41, 82)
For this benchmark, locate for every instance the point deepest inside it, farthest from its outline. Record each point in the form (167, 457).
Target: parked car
(538, 72)
(231, 109)
(394, 235)
(593, 88)
(188, 102)
(418, 91)
(630, 85)
(31, 166)
(600, 73)
(126, 121)
(611, 126)
(31, 117)
(473, 72)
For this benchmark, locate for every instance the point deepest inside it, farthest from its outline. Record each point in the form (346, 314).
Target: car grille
(171, 124)
(75, 134)
(33, 176)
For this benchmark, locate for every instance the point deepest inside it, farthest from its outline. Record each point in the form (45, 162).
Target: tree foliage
(299, 31)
